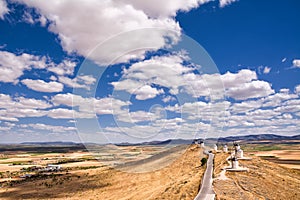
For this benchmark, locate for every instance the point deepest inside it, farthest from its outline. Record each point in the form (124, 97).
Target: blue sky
(132, 71)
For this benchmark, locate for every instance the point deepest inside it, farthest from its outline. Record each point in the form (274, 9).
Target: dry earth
(265, 180)
(286, 158)
(179, 180)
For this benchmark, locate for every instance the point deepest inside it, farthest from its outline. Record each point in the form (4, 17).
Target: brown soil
(265, 180)
(180, 180)
(286, 158)
(220, 162)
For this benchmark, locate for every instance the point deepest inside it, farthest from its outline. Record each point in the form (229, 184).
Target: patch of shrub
(203, 161)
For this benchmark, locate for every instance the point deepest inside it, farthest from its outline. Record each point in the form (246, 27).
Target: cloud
(290, 106)
(22, 102)
(241, 85)
(168, 99)
(66, 67)
(283, 60)
(215, 85)
(278, 99)
(20, 107)
(47, 127)
(81, 81)
(261, 114)
(12, 66)
(67, 99)
(137, 116)
(42, 86)
(254, 89)
(14, 113)
(245, 106)
(138, 78)
(13, 108)
(224, 3)
(189, 107)
(6, 126)
(267, 70)
(61, 113)
(10, 119)
(3, 8)
(235, 79)
(147, 92)
(109, 106)
(7, 102)
(89, 107)
(254, 107)
(287, 116)
(166, 8)
(81, 29)
(202, 111)
(296, 63)
(269, 114)
(22, 113)
(297, 89)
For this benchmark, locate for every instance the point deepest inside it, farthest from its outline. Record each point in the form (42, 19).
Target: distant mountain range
(165, 142)
(258, 138)
(246, 138)
(56, 143)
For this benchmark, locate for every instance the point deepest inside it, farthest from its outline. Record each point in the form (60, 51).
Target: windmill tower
(215, 147)
(239, 153)
(202, 144)
(234, 163)
(225, 148)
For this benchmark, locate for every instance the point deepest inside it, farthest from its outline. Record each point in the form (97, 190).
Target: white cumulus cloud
(48, 127)
(296, 63)
(42, 86)
(3, 8)
(224, 3)
(12, 66)
(147, 92)
(166, 8)
(81, 81)
(66, 67)
(87, 107)
(297, 89)
(166, 71)
(61, 113)
(88, 23)
(254, 89)
(267, 70)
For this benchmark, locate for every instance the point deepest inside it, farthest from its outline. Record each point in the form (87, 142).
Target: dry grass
(220, 162)
(265, 180)
(180, 180)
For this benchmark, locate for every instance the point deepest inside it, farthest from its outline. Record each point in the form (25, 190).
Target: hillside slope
(265, 180)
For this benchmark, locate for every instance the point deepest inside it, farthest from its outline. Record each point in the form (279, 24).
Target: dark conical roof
(234, 159)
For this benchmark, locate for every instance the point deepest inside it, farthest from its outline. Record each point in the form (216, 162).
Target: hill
(179, 180)
(56, 143)
(260, 137)
(265, 180)
(246, 138)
